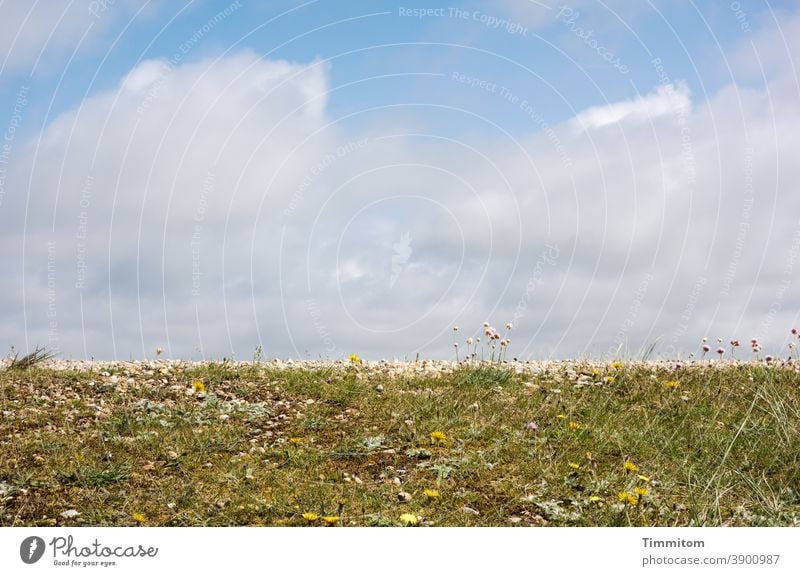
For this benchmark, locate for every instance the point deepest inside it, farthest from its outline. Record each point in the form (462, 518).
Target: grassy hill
(429, 443)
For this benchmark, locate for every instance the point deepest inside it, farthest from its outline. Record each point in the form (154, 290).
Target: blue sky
(326, 177)
(691, 38)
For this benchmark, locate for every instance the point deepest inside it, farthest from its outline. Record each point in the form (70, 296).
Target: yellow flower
(409, 519)
(641, 491)
(608, 379)
(354, 359)
(310, 516)
(672, 384)
(628, 498)
(630, 466)
(575, 425)
(140, 518)
(574, 465)
(330, 519)
(562, 416)
(199, 387)
(295, 439)
(643, 478)
(616, 364)
(595, 499)
(433, 494)
(438, 436)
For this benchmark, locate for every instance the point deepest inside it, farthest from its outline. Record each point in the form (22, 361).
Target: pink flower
(706, 347)
(720, 351)
(531, 426)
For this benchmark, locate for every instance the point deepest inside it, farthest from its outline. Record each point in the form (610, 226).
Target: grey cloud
(311, 239)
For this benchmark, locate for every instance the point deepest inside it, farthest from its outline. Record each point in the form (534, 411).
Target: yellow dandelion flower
(616, 364)
(354, 359)
(561, 416)
(295, 439)
(595, 499)
(595, 373)
(641, 491)
(575, 425)
(628, 498)
(673, 384)
(438, 436)
(433, 494)
(330, 519)
(643, 478)
(608, 379)
(140, 518)
(199, 387)
(409, 519)
(630, 466)
(574, 465)
(310, 516)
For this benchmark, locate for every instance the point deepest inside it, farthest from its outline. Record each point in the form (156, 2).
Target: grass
(138, 444)
(36, 358)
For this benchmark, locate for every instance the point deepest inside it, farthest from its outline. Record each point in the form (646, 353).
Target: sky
(315, 179)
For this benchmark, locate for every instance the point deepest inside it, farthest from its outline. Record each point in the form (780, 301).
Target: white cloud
(667, 100)
(220, 205)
